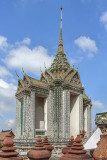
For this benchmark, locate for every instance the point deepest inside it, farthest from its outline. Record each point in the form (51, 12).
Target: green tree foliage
(1, 145)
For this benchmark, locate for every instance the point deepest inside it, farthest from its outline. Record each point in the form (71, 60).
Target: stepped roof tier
(60, 71)
(60, 68)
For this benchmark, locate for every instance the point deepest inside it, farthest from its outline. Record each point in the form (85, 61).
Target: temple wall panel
(65, 114)
(29, 117)
(88, 120)
(59, 107)
(50, 106)
(32, 111)
(24, 117)
(18, 122)
(27, 130)
(55, 114)
(68, 115)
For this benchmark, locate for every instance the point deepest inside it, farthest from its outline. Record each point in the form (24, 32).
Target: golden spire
(60, 46)
(60, 62)
(61, 16)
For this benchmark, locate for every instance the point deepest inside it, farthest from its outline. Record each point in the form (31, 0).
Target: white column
(18, 120)
(66, 114)
(24, 117)
(81, 111)
(32, 106)
(88, 120)
(85, 119)
(50, 116)
(63, 114)
(28, 117)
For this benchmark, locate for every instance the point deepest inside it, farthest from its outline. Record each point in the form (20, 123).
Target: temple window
(40, 124)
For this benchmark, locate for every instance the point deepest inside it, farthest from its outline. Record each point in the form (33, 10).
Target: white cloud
(98, 104)
(10, 123)
(7, 96)
(3, 42)
(103, 19)
(30, 59)
(4, 72)
(26, 41)
(3, 84)
(87, 45)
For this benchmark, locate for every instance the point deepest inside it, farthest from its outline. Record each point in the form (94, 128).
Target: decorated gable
(20, 84)
(75, 79)
(25, 81)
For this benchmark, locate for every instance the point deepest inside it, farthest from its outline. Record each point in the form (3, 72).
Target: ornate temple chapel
(55, 105)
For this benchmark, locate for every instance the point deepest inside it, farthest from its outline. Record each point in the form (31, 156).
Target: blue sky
(29, 35)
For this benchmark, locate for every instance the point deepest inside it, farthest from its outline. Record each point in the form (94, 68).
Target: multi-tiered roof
(60, 70)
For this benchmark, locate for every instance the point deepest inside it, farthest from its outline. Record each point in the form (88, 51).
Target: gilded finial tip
(61, 7)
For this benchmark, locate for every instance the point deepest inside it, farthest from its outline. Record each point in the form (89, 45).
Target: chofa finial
(23, 70)
(41, 70)
(17, 74)
(73, 65)
(77, 66)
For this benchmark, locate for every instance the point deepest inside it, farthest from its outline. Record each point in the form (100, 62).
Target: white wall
(74, 115)
(93, 140)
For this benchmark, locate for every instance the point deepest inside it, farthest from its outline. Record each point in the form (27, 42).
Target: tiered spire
(60, 62)
(60, 46)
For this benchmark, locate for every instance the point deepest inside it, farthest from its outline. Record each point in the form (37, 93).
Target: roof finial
(22, 70)
(41, 70)
(77, 67)
(73, 65)
(17, 74)
(61, 16)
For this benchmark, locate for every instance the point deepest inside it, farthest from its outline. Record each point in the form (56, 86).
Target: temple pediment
(75, 79)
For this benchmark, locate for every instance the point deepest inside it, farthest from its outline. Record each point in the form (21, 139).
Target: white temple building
(55, 105)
